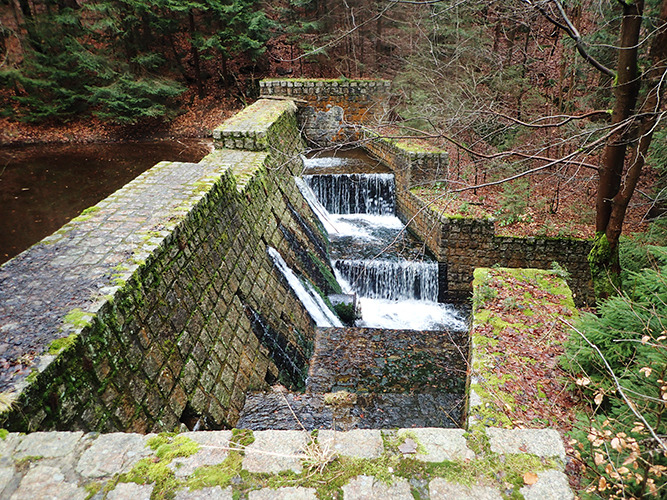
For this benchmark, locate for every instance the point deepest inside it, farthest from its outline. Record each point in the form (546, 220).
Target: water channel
(43, 186)
(403, 361)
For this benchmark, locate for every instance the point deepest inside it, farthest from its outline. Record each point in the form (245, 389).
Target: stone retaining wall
(463, 244)
(158, 303)
(414, 166)
(331, 110)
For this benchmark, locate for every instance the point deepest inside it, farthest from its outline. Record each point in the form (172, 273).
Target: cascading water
(373, 255)
(316, 307)
(403, 364)
(354, 193)
(381, 279)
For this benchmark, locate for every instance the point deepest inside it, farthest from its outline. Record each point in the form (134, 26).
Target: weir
(165, 307)
(354, 193)
(403, 362)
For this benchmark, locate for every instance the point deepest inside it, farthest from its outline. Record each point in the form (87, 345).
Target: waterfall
(354, 193)
(382, 279)
(287, 357)
(319, 210)
(311, 300)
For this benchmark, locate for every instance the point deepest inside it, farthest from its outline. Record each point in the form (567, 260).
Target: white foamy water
(409, 315)
(354, 193)
(320, 211)
(324, 162)
(311, 300)
(392, 280)
(363, 225)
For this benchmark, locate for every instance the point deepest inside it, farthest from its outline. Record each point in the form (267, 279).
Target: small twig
(619, 388)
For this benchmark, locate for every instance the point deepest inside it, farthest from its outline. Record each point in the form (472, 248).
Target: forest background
(552, 113)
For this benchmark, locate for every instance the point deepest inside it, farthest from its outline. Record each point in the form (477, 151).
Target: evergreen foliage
(630, 332)
(124, 60)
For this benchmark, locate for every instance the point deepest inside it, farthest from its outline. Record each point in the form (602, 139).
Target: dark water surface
(42, 187)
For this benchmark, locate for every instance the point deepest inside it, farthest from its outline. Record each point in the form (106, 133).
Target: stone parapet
(266, 125)
(413, 165)
(331, 111)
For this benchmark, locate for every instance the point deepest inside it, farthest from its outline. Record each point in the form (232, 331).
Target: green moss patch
(517, 338)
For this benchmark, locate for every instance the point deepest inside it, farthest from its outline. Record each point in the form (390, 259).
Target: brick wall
(179, 313)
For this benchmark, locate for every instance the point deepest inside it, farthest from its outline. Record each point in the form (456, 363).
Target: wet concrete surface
(285, 411)
(388, 361)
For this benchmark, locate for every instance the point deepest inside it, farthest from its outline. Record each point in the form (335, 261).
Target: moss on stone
(216, 475)
(59, 345)
(78, 318)
(168, 446)
(86, 214)
(601, 260)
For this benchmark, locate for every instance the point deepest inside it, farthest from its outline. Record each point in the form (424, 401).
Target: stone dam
(171, 305)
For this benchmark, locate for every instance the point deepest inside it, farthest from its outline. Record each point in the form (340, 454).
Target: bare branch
(619, 388)
(572, 32)
(567, 119)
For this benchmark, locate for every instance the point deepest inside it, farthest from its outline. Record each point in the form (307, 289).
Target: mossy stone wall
(331, 111)
(175, 331)
(415, 166)
(463, 244)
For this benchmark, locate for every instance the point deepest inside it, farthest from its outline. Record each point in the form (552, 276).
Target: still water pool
(42, 187)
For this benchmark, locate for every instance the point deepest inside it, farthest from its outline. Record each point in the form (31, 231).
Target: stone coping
(487, 398)
(412, 149)
(249, 129)
(442, 463)
(322, 82)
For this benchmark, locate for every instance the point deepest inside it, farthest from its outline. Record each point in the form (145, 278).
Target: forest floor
(199, 118)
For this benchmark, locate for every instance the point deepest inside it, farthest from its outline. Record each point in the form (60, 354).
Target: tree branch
(572, 32)
(619, 388)
(567, 119)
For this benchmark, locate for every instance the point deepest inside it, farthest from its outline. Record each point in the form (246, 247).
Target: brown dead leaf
(529, 478)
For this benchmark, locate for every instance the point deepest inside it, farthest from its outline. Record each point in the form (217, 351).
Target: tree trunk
(616, 184)
(652, 105)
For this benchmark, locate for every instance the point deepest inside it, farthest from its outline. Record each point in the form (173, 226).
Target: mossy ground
(517, 333)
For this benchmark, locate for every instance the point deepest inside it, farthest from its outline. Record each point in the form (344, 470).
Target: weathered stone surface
(440, 444)
(540, 442)
(47, 444)
(47, 483)
(216, 493)
(439, 489)
(275, 451)
(550, 485)
(213, 450)
(112, 454)
(8, 445)
(131, 491)
(6, 476)
(360, 443)
(136, 280)
(289, 493)
(367, 488)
